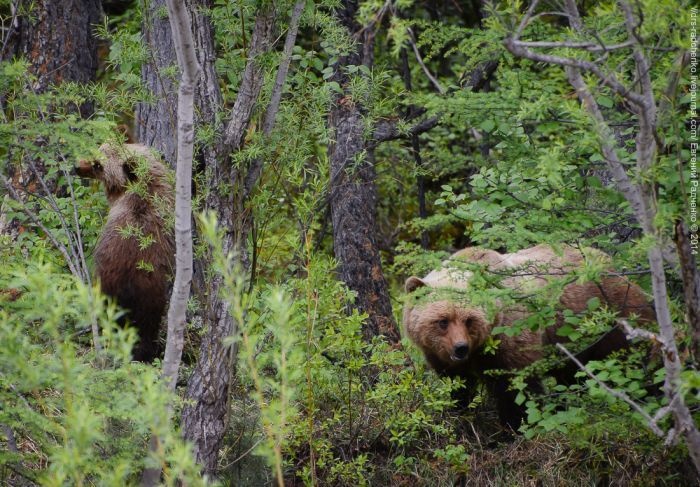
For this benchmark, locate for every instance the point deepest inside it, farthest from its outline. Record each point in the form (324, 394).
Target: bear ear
(413, 283)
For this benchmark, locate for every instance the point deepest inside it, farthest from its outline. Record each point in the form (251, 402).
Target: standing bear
(134, 256)
(452, 317)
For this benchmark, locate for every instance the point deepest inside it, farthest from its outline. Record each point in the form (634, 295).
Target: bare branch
(289, 42)
(272, 109)
(646, 140)
(632, 333)
(651, 422)
(433, 79)
(83, 262)
(526, 19)
(386, 130)
(608, 79)
(59, 246)
(588, 46)
(641, 196)
(630, 190)
(574, 16)
(54, 206)
(672, 84)
(251, 83)
(520, 48)
(78, 236)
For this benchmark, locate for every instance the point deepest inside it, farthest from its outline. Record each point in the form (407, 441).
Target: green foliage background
(507, 168)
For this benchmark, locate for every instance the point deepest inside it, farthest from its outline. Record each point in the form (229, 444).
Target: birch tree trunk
(189, 69)
(204, 417)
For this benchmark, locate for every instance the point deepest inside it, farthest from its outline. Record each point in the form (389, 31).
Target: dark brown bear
(452, 331)
(130, 269)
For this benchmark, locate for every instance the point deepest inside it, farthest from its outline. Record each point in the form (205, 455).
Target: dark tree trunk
(56, 37)
(156, 119)
(353, 193)
(405, 70)
(691, 284)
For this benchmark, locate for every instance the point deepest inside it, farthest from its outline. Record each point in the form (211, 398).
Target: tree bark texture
(156, 119)
(180, 21)
(353, 192)
(691, 285)
(204, 417)
(189, 71)
(57, 38)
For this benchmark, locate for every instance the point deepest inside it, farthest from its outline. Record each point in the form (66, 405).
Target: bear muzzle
(460, 351)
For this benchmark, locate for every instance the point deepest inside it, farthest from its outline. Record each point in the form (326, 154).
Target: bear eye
(443, 324)
(468, 322)
(130, 172)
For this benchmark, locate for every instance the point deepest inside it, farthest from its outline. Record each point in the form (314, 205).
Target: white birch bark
(189, 71)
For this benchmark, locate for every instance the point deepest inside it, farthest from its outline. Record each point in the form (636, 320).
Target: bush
(72, 416)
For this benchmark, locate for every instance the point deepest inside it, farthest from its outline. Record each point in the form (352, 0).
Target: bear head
(117, 166)
(447, 329)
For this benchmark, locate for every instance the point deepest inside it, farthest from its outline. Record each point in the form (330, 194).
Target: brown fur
(444, 330)
(143, 293)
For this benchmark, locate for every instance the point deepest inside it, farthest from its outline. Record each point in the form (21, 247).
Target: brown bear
(134, 256)
(454, 331)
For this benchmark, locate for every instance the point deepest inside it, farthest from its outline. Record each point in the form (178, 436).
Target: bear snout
(83, 169)
(460, 351)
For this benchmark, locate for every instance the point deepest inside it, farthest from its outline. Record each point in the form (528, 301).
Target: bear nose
(461, 350)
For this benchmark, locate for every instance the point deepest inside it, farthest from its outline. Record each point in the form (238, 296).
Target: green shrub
(77, 416)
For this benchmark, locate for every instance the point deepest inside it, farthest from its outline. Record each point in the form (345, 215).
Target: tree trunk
(56, 37)
(189, 69)
(353, 193)
(640, 194)
(204, 417)
(691, 285)
(156, 120)
(405, 70)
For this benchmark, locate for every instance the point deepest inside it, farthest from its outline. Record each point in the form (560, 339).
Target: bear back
(134, 255)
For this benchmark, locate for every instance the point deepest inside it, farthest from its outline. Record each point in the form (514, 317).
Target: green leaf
(605, 101)
(565, 331)
(593, 303)
(487, 125)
